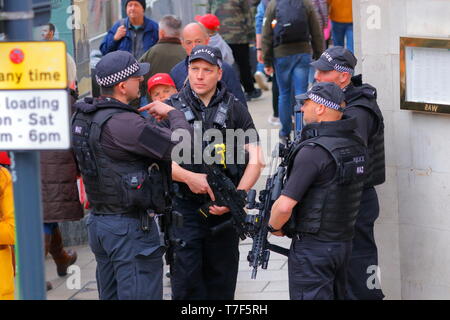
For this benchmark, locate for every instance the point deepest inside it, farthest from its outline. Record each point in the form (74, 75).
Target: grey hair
(171, 25)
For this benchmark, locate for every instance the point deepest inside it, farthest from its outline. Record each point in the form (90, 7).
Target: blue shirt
(259, 18)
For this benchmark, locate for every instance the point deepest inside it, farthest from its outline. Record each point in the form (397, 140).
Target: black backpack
(292, 22)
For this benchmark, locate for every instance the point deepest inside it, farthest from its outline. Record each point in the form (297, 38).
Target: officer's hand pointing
(158, 110)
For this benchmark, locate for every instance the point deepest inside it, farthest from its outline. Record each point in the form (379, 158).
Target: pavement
(270, 284)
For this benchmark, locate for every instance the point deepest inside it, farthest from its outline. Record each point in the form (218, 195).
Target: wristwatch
(257, 49)
(271, 229)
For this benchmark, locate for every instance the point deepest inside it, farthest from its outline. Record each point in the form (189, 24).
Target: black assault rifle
(226, 195)
(259, 254)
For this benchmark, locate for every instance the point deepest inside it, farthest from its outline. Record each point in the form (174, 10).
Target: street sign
(33, 65)
(34, 120)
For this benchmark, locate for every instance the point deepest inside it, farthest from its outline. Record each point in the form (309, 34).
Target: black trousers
(318, 269)
(362, 284)
(129, 260)
(207, 267)
(241, 53)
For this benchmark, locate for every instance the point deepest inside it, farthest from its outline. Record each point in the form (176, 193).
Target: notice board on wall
(425, 74)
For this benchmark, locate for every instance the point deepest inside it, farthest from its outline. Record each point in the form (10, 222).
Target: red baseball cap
(4, 159)
(210, 21)
(160, 78)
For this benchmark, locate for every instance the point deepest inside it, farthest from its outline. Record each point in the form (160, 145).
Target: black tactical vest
(364, 96)
(221, 121)
(113, 186)
(329, 211)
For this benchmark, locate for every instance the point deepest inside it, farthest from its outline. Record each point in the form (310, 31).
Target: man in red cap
(4, 158)
(212, 25)
(160, 87)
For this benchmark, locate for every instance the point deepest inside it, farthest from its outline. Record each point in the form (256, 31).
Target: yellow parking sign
(33, 65)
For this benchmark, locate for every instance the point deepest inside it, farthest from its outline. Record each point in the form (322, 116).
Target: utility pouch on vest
(83, 152)
(156, 182)
(144, 189)
(136, 191)
(352, 171)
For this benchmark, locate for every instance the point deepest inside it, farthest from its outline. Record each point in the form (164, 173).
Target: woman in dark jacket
(60, 202)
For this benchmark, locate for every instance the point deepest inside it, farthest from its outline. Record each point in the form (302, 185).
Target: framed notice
(425, 74)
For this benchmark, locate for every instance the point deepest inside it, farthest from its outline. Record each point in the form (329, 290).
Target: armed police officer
(206, 268)
(321, 196)
(337, 65)
(125, 162)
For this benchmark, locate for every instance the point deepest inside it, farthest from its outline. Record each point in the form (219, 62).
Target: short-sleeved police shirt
(313, 165)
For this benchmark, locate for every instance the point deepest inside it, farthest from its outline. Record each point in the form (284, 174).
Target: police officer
(321, 196)
(206, 268)
(125, 164)
(337, 65)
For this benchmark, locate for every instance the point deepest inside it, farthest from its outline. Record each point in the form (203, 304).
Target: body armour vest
(329, 211)
(235, 160)
(364, 96)
(114, 186)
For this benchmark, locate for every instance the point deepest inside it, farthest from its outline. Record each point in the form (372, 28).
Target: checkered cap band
(340, 68)
(325, 102)
(117, 77)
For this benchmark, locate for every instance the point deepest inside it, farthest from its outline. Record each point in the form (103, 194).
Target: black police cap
(336, 58)
(118, 66)
(209, 54)
(326, 93)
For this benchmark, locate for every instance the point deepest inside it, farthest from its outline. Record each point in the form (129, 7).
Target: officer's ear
(320, 109)
(344, 78)
(120, 87)
(220, 74)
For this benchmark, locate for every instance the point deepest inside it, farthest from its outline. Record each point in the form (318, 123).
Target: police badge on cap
(209, 54)
(336, 58)
(118, 66)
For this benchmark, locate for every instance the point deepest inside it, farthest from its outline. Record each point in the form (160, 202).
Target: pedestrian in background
(165, 54)
(135, 34)
(212, 25)
(341, 16)
(237, 30)
(161, 87)
(59, 190)
(291, 32)
(7, 233)
(259, 74)
(321, 8)
(48, 32)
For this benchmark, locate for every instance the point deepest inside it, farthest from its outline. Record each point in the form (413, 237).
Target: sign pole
(26, 177)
